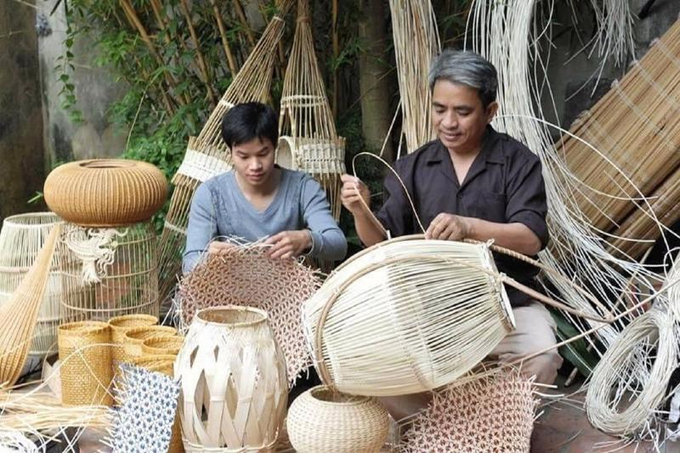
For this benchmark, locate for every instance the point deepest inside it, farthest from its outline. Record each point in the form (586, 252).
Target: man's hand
(448, 227)
(353, 191)
(289, 244)
(220, 248)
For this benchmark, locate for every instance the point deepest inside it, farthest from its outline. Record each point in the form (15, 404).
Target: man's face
(254, 161)
(458, 116)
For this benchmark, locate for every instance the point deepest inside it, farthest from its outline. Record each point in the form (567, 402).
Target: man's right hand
(220, 248)
(352, 194)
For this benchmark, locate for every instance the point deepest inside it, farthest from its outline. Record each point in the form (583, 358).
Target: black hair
(246, 122)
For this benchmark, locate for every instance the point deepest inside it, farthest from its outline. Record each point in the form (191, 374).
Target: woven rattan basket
(134, 338)
(322, 421)
(106, 192)
(121, 324)
(162, 346)
(85, 354)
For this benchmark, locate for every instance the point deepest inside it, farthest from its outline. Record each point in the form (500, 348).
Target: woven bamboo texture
(233, 379)
(106, 192)
(637, 129)
(322, 421)
(406, 316)
(245, 276)
(19, 314)
(164, 364)
(21, 239)
(108, 272)
(86, 367)
(121, 324)
(134, 339)
(162, 346)
(207, 154)
(491, 415)
(311, 143)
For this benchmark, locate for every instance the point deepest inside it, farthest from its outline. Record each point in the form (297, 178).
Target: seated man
(259, 199)
(471, 182)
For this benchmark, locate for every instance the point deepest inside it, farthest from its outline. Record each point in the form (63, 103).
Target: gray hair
(466, 68)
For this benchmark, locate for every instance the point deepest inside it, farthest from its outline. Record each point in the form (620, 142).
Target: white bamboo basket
(406, 316)
(234, 388)
(21, 239)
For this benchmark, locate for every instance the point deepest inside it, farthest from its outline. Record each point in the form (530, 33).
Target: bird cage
(21, 239)
(108, 272)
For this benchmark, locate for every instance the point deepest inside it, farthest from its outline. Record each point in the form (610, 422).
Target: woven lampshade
(406, 316)
(21, 239)
(105, 192)
(323, 421)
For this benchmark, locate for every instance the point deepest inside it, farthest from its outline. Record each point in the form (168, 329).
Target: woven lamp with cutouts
(106, 192)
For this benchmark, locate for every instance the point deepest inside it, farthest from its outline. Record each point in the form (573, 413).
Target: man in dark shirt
(472, 182)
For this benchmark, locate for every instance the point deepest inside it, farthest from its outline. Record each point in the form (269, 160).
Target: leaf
(576, 352)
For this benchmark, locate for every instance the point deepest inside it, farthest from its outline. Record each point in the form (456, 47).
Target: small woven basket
(106, 192)
(86, 372)
(121, 324)
(162, 346)
(322, 421)
(134, 338)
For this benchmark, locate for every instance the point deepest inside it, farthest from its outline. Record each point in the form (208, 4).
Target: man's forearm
(514, 236)
(369, 233)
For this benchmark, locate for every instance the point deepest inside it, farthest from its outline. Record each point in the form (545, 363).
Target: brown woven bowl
(105, 192)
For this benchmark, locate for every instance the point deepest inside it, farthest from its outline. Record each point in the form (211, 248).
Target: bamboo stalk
(244, 22)
(199, 55)
(225, 42)
(336, 53)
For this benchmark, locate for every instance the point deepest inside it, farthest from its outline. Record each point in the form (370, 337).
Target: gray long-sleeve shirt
(219, 208)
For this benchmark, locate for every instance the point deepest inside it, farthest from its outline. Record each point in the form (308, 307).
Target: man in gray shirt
(258, 199)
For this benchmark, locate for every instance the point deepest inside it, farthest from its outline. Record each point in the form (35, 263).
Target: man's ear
(491, 111)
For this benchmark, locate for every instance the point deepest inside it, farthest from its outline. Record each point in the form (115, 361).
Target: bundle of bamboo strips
(306, 122)
(636, 127)
(416, 42)
(207, 155)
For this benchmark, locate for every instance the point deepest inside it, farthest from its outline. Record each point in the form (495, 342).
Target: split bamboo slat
(207, 155)
(636, 126)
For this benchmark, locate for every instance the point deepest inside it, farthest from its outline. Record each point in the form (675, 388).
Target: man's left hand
(289, 244)
(448, 227)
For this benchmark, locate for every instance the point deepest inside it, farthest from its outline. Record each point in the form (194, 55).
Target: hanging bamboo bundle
(416, 43)
(108, 272)
(246, 276)
(406, 316)
(636, 127)
(309, 139)
(207, 155)
(21, 239)
(18, 315)
(233, 378)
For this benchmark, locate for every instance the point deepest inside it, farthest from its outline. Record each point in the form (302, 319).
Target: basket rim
(359, 399)
(11, 220)
(263, 316)
(82, 327)
(129, 334)
(113, 322)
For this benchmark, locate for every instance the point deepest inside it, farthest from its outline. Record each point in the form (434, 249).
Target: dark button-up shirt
(503, 185)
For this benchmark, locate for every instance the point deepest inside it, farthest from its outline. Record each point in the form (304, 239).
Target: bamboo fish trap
(18, 314)
(21, 239)
(407, 316)
(207, 155)
(309, 139)
(108, 272)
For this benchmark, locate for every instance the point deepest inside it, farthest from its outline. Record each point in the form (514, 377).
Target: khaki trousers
(535, 331)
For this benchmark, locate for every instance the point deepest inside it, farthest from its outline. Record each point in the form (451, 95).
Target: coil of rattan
(106, 192)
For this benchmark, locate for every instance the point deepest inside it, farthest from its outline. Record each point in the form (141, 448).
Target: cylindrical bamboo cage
(108, 272)
(21, 239)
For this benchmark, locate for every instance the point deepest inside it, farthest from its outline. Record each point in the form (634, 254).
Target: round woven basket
(285, 153)
(105, 192)
(322, 421)
(162, 346)
(121, 324)
(134, 338)
(86, 370)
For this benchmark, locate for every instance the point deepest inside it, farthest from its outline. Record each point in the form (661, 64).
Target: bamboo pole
(199, 55)
(225, 42)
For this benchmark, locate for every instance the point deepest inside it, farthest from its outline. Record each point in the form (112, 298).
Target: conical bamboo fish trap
(406, 316)
(21, 239)
(310, 141)
(207, 155)
(233, 376)
(108, 272)
(18, 315)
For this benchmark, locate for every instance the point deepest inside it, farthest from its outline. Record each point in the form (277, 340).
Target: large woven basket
(162, 346)
(121, 324)
(134, 338)
(322, 421)
(406, 316)
(106, 192)
(86, 372)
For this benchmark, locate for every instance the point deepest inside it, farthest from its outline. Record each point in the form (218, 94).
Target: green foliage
(577, 352)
